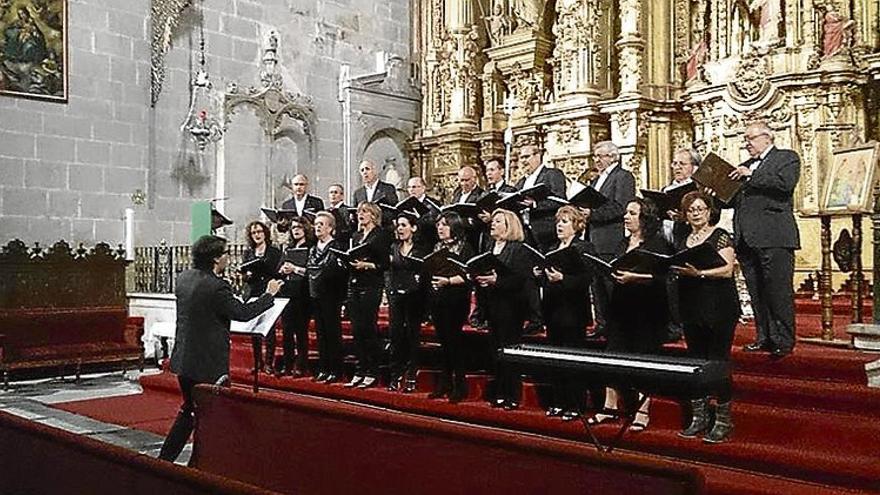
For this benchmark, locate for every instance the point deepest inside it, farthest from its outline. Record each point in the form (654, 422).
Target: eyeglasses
(678, 164)
(697, 209)
(606, 155)
(754, 136)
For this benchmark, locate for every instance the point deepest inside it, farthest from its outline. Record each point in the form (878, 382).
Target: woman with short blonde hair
(514, 230)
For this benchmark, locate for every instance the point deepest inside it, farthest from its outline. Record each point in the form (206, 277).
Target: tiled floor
(32, 400)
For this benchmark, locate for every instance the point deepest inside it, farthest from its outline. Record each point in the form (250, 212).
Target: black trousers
(712, 342)
(769, 276)
(406, 312)
(183, 424)
(449, 312)
(506, 319)
(295, 335)
(363, 310)
(328, 328)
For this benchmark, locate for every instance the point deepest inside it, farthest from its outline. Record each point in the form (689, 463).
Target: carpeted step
(808, 394)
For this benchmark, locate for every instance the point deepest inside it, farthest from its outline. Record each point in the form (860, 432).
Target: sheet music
(263, 322)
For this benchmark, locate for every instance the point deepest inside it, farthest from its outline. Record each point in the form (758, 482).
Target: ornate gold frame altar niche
(850, 183)
(33, 58)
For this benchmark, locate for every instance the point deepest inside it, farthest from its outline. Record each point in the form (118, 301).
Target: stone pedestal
(865, 336)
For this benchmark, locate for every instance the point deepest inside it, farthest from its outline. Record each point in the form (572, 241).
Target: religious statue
(527, 13)
(499, 23)
(836, 32)
(768, 15)
(695, 60)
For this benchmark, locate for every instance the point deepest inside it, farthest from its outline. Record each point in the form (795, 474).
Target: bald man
(372, 189)
(468, 190)
(301, 200)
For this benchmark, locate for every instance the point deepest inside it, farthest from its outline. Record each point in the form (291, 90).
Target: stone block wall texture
(68, 171)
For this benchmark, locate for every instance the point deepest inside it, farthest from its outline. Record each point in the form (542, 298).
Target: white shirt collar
(532, 178)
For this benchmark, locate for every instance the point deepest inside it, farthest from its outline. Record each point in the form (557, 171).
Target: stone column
(631, 47)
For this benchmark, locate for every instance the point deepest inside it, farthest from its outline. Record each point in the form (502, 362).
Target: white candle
(128, 234)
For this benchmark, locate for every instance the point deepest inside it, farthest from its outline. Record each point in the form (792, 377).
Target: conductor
(205, 307)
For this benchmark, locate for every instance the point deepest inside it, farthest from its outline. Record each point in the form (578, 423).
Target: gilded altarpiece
(653, 76)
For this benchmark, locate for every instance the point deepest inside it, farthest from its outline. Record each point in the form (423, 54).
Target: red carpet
(805, 424)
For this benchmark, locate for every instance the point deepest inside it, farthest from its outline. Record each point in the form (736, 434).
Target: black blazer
(327, 276)
(312, 203)
(345, 223)
(379, 242)
(555, 180)
(385, 193)
(205, 307)
(504, 188)
(606, 221)
(256, 283)
(763, 213)
(476, 194)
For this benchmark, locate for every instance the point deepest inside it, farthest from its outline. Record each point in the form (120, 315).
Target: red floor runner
(153, 411)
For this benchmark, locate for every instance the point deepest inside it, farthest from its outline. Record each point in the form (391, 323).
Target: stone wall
(69, 170)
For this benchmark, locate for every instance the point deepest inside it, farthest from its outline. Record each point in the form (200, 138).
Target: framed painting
(850, 182)
(33, 49)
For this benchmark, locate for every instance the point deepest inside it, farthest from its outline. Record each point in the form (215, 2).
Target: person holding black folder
(261, 259)
(296, 315)
(606, 221)
(450, 301)
(507, 305)
(638, 310)
(327, 284)
(709, 311)
(766, 235)
(365, 283)
(566, 306)
(205, 307)
(406, 302)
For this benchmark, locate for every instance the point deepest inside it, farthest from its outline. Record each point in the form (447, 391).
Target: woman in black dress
(406, 302)
(507, 301)
(709, 311)
(638, 309)
(566, 306)
(365, 282)
(450, 302)
(296, 315)
(260, 247)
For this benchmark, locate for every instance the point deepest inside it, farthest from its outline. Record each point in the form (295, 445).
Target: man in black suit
(345, 221)
(468, 190)
(606, 221)
(427, 230)
(301, 199)
(373, 189)
(765, 235)
(495, 177)
(205, 306)
(540, 217)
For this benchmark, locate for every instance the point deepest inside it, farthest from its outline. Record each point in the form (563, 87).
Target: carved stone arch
(400, 140)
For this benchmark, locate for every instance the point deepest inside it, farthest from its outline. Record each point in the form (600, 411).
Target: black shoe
(355, 381)
(331, 378)
(320, 377)
(755, 347)
(779, 353)
(533, 328)
(498, 402)
(395, 384)
(554, 411)
(510, 405)
(598, 332)
(570, 415)
(409, 386)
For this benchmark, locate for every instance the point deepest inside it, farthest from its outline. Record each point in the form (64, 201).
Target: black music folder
(567, 260)
(636, 261)
(437, 264)
(410, 204)
(714, 173)
(669, 199)
(257, 267)
(357, 253)
(702, 257)
(515, 202)
(488, 202)
(587, 197)
(481, 264)
(297, 256)
(465, 210)
(279, 215)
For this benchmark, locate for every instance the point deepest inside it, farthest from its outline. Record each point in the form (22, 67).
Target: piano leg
(628, 418)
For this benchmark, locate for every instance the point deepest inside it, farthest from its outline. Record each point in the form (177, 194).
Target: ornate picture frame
(33, 49)
(849, 185)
